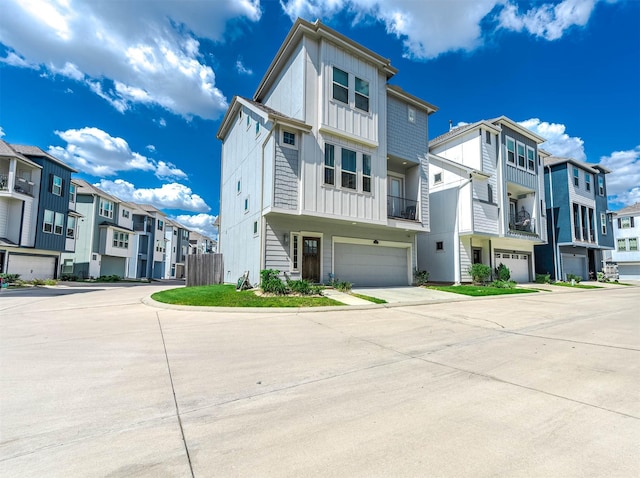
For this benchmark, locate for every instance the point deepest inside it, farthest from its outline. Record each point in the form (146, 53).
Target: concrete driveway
(97, 383)
(409, 295)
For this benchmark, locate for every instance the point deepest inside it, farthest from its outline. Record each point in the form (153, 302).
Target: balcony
(521, 222)
(4, 181)
(402, 208)
(583, 234)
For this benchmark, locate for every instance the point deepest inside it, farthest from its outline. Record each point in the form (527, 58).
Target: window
(58, 224)
(521, 155)
(366, 173)
(587, 181)
(255, 228)
(238, 188)
(295, 247)
(437, 178)
(121, 240)
(67, 266)
(622, 245)
(289, 138)
(47, 225)
(531, 159)
(488, 137)
(106, 208)
(362, 94)
(329, 164)
(56, 185)
(340, 85)
(511, 151)
(72, 193)
(633, 243)
(248, 121)
(125, 213)
(603, 223)
(160, 225)
(576, 177)
(348, 169)
(411, 114)
(440, 246)
(625, 222)
(601, 185)
(257, 128)
(246, 204)
(71, 227)
(490, 193)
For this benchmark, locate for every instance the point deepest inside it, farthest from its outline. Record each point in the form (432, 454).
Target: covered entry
(518, 264)
(365, 264)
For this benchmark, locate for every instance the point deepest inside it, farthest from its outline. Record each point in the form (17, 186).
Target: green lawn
(375, 300)
(576, 286)
(480, 290)
(227, 296)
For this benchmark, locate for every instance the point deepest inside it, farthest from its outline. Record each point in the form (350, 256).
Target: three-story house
(324, 171)
(626, 229)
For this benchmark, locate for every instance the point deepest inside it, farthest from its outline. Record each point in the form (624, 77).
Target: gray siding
(286, 178)
(405, 139)
(52, 202)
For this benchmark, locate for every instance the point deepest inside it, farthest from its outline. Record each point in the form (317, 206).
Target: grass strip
(375, 300)
(480, 290)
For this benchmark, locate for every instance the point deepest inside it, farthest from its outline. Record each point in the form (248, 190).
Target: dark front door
(311, 259)
(477, 256)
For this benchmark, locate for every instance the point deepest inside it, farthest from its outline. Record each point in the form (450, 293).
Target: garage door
(32, 267)
(365, 265)
(576, 265)
(518, 264)
(629, 271)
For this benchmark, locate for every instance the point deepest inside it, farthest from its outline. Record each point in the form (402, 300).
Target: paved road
(96, 383)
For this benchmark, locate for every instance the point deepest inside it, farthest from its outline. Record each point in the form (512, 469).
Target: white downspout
(456, 244)
(263, 225)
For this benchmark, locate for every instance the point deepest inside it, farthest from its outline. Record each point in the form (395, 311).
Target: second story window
(329, 164)
(437, 178)
(72, 193)
(576, 177)
(625, 222)
(47, 224)
(160, 225)
(348, 169)
(622, 245)
(587, 181)
(121, 240)
(340, 85)
(106, 208)
(366, 173)
(521, 155)
(362, 94)
(125, 213)
(490, 193)
(531, 159)
(603, 223)
(289, 138)
(633, 243)
(58, 224)
(600, 185)
(71, 227)
(56, 185)
(511, 151)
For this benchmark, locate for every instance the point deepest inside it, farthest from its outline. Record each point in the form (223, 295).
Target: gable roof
(84, 187)
(409, 98)
(633, 210)
(36, 151)
(316, 30)
(592, 168)
(7, 150)
(494, 124)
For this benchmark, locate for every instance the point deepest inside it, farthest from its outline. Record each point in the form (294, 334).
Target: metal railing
(521, 222)
(402, 208)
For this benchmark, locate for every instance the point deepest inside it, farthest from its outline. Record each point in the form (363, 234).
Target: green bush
(110, 278)
(9, 278)
(574, 277)
(479, 273)
(503, 273)
(69, 277)
(271, 283)
(420, 277)
(543, 278)
(504, 284)
(301, 286)
(342, 285)
(602, 277)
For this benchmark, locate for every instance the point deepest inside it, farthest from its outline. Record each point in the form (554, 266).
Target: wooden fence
(204, 269)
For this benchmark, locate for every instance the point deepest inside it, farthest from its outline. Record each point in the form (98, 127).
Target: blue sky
(131, 94)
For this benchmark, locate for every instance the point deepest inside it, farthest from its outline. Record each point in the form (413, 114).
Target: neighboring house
(103, 234)
(199, 244)
(177, 247)
(487, 201)
(578, 220)
(149, 247)
(626, 230)
(36, 224)
(324, 172)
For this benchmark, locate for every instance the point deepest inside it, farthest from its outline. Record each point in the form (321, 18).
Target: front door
(311, 259)
(395, 197)
(477, 256)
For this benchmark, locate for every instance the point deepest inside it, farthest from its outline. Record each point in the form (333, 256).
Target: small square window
(440, 246)
(238, 187)
(246, 204)
(255, 228)
(437, 178)
(289, 138)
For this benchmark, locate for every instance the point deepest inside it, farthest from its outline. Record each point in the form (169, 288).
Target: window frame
(622, 241)
(339, 85)
(289, 136)
(58, 224)
(633, 248)
(439, 246)
(576, 177)
(121, 240)
(531, 159)
(522, 146)
(487, 138)
(329, 154)
(587, 181)
(348, 176)
(510, 159)
(71, 227)
(48, 221)
(105, 208)
(411, 114)
(366, 173)
(72, 192)
(603, 223)
(360, 94)
(246, 204)
(56, 185)
(600, 185)
(437, 178)
(294, 251)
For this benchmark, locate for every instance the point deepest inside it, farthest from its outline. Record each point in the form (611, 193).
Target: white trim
(349, 137)
(319, 235)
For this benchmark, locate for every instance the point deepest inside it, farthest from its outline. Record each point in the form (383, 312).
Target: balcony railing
(4, 182)
(584, 234)
(402, 208)
(521, 221)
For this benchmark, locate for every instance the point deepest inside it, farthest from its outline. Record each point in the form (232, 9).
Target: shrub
(602, 277)
(503, 273)
(69, 277)
(574, 277)
(270, 282)
(9, 278)
(317, 290)
(110, 278)
(342, 285)
(302, 286)
(479, 273)
(504, 284)
(543, 278)
(420, 277)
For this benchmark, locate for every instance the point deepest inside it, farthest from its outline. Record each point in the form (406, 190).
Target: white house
(324, 171)
(486, 195)
(626, 231)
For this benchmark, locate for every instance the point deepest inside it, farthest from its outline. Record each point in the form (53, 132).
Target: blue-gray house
(578, 220)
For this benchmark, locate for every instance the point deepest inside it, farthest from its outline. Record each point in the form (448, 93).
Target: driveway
(98, 383)
(409, 295)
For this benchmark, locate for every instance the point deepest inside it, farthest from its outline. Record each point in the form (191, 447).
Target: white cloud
(168, 196)
(202, 223)
(95, 152)
(623, 184)
(243, 70)
(127, 53)
(558, 143)
(151, 148)
(2, 133)
(430, 28)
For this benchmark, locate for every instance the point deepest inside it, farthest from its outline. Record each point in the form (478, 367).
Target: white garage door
(576, 265)
(365, 265)
(629, 271)
(32, 267)
(518, 264)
